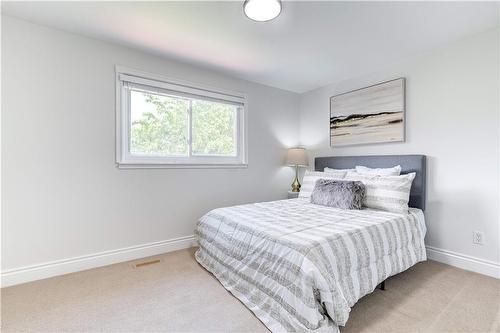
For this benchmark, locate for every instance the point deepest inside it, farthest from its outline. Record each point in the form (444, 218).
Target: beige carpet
(177, 295)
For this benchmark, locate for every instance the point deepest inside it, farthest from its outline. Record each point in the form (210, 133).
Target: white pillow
(389, 193)
(394, 171)
(310, 178)
(327, 169)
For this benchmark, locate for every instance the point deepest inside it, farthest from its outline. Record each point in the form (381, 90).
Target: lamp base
(296, 183)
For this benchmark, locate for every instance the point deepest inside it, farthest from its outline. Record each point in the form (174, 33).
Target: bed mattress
(300, 267)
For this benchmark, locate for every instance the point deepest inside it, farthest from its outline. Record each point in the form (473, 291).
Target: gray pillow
(338, 193)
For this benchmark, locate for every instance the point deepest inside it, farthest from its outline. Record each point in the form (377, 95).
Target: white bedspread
(301, 267)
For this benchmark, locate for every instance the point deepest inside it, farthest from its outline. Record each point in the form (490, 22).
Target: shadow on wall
(460, 205)
(289, 174)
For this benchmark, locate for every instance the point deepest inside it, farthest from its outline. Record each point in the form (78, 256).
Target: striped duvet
(301, 267)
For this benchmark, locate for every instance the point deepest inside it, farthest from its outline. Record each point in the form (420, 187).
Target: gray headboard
(409, 163)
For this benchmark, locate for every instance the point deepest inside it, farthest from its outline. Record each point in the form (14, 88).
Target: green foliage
(165, 131)
(213, 128)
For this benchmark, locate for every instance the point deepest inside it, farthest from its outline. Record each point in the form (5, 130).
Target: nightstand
(293, 195)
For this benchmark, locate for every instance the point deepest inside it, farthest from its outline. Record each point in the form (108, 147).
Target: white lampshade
(297, 156)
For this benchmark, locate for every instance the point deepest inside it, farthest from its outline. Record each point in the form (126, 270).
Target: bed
(301, 267)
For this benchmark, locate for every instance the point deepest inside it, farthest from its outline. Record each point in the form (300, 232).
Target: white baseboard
(59, 267)
(463, 261)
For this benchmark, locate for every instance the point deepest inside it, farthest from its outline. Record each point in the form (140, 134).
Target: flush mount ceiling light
(262, 10)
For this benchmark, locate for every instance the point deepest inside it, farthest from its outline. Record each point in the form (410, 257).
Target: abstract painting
(373, 114)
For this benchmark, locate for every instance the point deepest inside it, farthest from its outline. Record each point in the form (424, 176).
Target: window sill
(181, 166)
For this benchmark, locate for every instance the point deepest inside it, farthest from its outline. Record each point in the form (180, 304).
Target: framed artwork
(374, 114)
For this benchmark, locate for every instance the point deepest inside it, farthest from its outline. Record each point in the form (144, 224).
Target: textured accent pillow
(310, 178)
(338, 193)
(327, 169)
(394, 171)
(389, 193)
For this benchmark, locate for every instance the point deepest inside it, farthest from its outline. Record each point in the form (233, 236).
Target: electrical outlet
(478, 237)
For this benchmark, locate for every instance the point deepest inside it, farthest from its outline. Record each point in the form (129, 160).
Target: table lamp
(296, 157)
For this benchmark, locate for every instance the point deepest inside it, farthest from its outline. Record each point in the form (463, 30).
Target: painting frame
(391, 117)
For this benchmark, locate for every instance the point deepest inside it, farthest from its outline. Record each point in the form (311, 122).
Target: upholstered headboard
(409, 163)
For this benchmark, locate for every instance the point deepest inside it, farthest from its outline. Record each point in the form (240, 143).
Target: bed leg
(382, 285)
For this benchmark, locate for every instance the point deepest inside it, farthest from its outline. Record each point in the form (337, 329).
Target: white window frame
(125, 159)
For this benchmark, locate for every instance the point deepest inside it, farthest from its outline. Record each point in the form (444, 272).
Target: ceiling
(311, 44)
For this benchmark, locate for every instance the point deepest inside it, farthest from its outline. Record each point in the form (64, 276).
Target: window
(168, 123)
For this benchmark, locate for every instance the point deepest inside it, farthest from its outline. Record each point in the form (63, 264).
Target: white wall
(452, 116)
(62, 194)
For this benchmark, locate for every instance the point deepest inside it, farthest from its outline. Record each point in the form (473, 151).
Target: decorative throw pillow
(389, 193)
(327, 169)
(310, 178)
(338, 193)
(394, 171)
